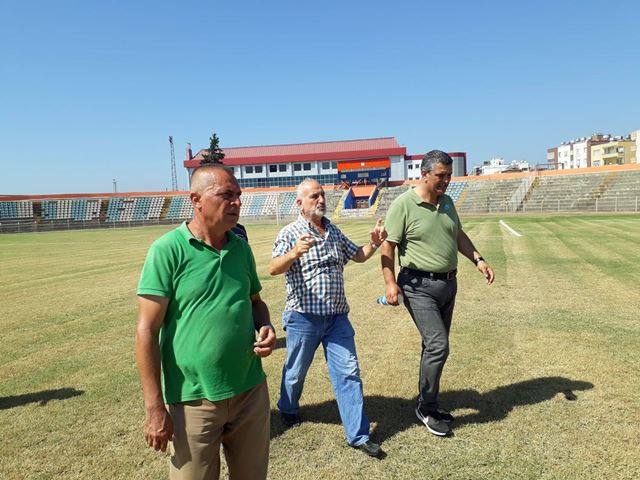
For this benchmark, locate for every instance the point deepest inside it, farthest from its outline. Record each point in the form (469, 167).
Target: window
(282, 167)
(248, 169)
(326, 165)
(334, 165)
(258, 168)
(410, 167)
(273, 168)
(306, 167)
(297, 167)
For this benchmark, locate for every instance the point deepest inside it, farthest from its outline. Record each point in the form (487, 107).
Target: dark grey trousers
(430, 303)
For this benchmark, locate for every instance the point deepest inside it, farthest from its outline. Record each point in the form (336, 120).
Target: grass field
(543, 377)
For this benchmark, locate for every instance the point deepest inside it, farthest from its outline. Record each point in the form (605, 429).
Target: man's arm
(388, 259)
(365, 252)
(283, 263)
(158, 427)
(266, 333)
(466, 248)
(378, 235)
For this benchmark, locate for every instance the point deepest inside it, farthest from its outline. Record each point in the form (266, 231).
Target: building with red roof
(369, 160)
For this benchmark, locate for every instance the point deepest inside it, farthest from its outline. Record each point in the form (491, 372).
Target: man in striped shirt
(312, 252)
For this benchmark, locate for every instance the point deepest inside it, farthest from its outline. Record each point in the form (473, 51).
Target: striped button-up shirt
(315, 282)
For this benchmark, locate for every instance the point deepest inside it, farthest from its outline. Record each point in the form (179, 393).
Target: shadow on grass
(42, 397)
(393, 414)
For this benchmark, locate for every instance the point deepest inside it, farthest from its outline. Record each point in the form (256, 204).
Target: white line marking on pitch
(511, 230)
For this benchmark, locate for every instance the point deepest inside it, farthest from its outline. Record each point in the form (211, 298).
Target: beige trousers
(241, 424)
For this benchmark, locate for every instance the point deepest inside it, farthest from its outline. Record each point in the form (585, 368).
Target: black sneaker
(290, 420)
(444, 415)
(433, 423)
(369, 448)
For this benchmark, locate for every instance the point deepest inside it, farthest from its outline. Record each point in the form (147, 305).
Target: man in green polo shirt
(424, 225)
(199, 310)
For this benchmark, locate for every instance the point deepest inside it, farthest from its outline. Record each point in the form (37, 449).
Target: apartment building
(619, 151)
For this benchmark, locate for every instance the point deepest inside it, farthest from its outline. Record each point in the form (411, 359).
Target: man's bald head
(208, 176)
(215, 196)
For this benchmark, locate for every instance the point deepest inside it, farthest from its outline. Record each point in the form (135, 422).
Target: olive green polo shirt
(426, 234)
(206, 340)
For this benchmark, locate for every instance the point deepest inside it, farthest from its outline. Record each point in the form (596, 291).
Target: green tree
(215, 154)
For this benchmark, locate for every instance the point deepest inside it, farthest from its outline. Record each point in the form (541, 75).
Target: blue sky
(91, 90)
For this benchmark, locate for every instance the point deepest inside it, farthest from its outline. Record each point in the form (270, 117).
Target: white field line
(511, 230)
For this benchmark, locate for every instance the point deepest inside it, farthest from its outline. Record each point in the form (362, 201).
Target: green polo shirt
(426, 235)
(207, 337)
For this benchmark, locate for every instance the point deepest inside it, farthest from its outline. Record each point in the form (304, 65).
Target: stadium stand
(487, 196)
(565, 193)
(77, 209)
(180, 208)
(455, 189)
(288, 205)
(270, 204)
(16, 209)
(254, 208)
(332, 198)
(620, 194)
(127, 209)
(612, 189)
(388, 195)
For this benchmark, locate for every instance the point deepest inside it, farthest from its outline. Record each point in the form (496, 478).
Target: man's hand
(158, 427)
(303, 245)
(378, 234)
(487, 271)
(391, 293)
(266, 341)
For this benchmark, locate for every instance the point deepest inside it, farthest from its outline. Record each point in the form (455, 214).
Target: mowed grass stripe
(607, 259)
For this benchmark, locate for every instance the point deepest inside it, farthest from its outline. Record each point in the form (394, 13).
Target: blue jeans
(305, 332)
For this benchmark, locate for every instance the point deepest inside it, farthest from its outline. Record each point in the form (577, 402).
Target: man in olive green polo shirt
(199, 310)
(424, 225)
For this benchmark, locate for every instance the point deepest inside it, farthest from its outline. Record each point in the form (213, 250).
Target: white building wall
(287, 167)
(459, 165)
(635, 136)
(580, 154)
(564, 157)
(412, 169)
(398, 169)
(328, 167)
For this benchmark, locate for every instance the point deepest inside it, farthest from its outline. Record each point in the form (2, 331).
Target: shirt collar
(184, 231)
(325, 221)
(418, 199)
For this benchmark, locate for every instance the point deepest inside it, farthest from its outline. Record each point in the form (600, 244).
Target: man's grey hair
(434, 156)
(304, 183)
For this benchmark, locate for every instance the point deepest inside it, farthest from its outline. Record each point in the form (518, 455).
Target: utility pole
(174, 177)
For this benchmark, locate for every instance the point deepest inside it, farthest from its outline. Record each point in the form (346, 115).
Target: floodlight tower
(174, 177)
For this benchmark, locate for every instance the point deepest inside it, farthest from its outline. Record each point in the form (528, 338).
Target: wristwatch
(374, 246)
(478, 260)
